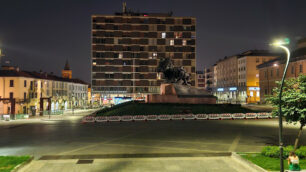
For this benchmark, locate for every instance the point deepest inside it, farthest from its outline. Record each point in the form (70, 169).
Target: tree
(293, 102)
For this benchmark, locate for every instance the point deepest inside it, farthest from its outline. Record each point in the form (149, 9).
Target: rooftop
(299, 54)
(15, 72)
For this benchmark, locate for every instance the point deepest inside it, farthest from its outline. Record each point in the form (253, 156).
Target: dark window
(292, 70)
(11, 95)
(24, 96)
(11, 83)
(271, 72)
(25, 83)
(266, 91)
(301, 68)
(277, 72)
(31, 85)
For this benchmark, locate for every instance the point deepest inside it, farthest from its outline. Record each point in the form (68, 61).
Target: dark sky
(42, 34)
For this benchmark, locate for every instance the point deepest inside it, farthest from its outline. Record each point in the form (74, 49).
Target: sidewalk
(172, 164)
(38, 118)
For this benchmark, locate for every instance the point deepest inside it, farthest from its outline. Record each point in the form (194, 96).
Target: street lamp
(280, 44)
(1, 55)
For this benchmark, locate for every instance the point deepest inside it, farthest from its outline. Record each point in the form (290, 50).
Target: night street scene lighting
(152, 86)
(281, 44)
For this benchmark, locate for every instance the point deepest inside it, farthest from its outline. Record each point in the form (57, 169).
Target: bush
(273, 151)
(301, 152)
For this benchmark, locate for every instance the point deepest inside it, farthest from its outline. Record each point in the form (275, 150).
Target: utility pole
(1, 55)
(134, 76)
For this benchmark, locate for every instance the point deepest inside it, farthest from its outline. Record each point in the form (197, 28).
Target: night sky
(41, 34)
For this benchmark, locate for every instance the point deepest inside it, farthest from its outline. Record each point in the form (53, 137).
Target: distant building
(67, 72)
(209, 78)
(127, 46)
(215, 74)
(200, 79)
(238, 78)
(29, 88)
(272, 71)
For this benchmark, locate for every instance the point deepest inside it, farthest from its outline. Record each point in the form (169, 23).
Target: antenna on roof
(123, 7)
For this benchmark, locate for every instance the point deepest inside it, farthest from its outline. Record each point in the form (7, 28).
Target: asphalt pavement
(69, 137)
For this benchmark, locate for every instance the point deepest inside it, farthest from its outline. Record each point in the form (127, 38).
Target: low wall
(175, 99)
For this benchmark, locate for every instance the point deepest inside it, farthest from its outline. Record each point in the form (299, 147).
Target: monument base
(175, 93)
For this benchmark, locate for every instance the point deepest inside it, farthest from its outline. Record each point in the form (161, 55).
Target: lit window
(257, 94)
(94, 63)
(257, 75)
(251, 93)
(184, 42)
(158, 76)
(164, 35)
(171, 42)
(154, 55)
(120, 55)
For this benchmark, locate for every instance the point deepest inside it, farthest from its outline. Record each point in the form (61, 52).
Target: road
(190, 145)
(70, 137)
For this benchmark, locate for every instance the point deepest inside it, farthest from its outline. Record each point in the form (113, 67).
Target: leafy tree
(293, 102)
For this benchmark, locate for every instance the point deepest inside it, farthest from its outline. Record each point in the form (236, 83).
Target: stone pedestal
(175, 93)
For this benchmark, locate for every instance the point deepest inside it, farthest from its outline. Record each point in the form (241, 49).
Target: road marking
(235, 142)
(93, 145)
(163, 147)
(192, 142)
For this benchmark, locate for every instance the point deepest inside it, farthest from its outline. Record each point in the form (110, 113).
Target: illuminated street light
(280, 44)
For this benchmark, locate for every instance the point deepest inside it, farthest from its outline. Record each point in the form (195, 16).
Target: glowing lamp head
(280, 42)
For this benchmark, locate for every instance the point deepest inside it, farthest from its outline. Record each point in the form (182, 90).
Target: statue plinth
(176, 93)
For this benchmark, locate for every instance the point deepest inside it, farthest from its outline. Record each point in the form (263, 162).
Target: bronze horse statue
(171, 73)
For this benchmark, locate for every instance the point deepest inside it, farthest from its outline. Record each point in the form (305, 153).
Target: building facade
(200, 79)
(209, 78)
(127, 46)
(238, 77)
(273, 70)
(30, 89)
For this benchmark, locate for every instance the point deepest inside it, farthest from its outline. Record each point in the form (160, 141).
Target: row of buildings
(250, 76)
(127, 46)
(24, 92)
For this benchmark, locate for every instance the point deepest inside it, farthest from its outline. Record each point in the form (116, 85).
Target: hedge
(273, 151)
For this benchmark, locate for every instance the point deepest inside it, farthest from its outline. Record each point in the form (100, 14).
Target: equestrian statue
(171, 73)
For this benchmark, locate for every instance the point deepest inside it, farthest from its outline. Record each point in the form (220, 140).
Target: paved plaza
(68, 137)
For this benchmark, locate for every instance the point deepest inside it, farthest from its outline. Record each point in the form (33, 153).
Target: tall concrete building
(127, 47)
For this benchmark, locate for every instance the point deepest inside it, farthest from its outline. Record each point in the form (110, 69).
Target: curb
(20, 166)
(246, 163)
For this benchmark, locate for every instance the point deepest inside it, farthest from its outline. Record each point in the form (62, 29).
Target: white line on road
(235, 142)
(93, 145)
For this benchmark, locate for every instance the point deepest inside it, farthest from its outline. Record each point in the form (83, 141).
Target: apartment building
(127, 46)
(272, 71)
(209, 78)
(30, 89)
(238, 77)
(200, 79)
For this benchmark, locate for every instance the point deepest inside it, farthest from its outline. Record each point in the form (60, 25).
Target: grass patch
(134, 108)
(8, 163)
(268, 163)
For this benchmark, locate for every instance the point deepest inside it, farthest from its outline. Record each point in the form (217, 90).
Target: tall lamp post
(1, 55)
(280, 44)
